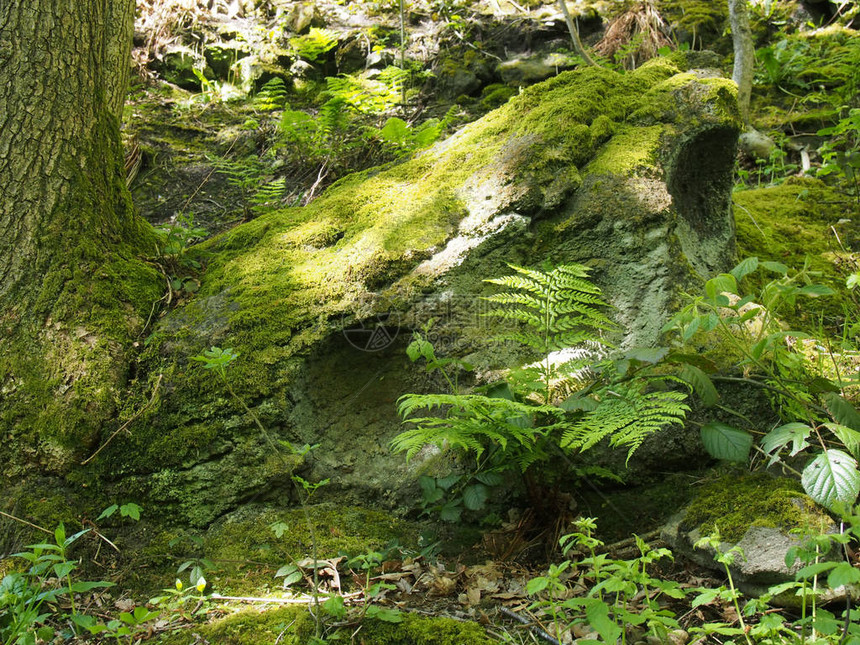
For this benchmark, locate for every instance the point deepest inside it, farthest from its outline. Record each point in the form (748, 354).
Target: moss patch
(294, 626)
(734, 503)
(791, 223)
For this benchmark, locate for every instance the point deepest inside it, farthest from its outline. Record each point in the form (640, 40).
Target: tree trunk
(73, 291)
(742, 40)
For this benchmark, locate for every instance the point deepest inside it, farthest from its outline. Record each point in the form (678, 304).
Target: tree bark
(574, 34)
(742, 40)
(72, 286)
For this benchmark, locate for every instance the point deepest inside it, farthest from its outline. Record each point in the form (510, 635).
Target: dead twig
(126, 424)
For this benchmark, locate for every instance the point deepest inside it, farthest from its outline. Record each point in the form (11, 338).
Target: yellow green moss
(791, 223)
(630, 149)
(295, 626)
(736, 502)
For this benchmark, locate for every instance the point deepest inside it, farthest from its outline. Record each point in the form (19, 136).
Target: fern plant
(530, 417)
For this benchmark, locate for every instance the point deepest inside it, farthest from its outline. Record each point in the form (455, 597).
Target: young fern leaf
(627, 415)
(469, 421)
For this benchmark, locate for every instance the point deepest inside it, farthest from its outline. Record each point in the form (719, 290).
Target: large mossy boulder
(627, 173)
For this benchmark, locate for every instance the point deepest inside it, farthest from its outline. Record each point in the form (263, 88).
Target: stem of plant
(303, 499)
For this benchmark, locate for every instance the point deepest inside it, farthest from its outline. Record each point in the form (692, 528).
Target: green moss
(294, 626)
(736, 502)
(629, 150)
(496, 95)
(791, 223)
(338, 529)
(73, 318)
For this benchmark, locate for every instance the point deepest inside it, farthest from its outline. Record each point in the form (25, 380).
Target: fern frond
(470, 422)
(627, 417)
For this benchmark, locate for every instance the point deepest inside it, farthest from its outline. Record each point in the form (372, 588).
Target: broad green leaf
(744, 268)
(831, 478)
(793, 433)
(647, 354)
(447, 482)
(843, 574)
(428, 486)
(396, 131)
(80, 587)
(814, 569)
(841, 410)
(384, 614)
(701, 383)
(598, 617)
(776, 267)
(719, 284)
(816, 290)
(475, 497)
(131, 510)
(692, 328)
(451, 512)
(110, 510)
(725, 442)
(536, 585)
(490, 478)
(849, 437)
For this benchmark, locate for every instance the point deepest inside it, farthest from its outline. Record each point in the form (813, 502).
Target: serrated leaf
(451, 512)
(396, 131)
(776, 267)
(816, 290)
(719, 284)
(814, 569)
(744, 268)
(490, 478)
(110, 510)
(843, 574)
(831, 478)
(446, 482)
(475, 497)
(841, 410)
(81, 587)
(793, 433)
(849, 437)
(131, 510)
(598, 617)
(536, 585)
(725, 442)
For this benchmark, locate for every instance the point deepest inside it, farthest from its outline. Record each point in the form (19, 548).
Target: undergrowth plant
(30, 609)
(217, 360)
(800, 372)
(571, 397)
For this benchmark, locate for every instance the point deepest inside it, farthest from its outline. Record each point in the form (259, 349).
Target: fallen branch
(30, 524)
(298, 600)
(126, 424)
(537, 631)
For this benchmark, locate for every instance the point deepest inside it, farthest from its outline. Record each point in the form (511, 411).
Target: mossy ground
(733, 503)
(294, 626)
(802, 222)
